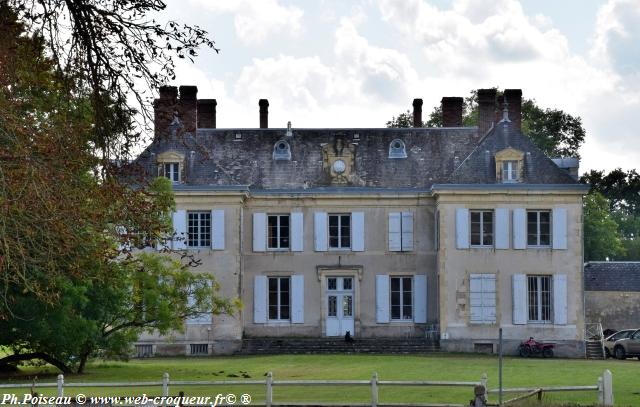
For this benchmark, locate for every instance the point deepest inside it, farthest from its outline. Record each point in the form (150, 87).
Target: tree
(403, 120)
(602, 240)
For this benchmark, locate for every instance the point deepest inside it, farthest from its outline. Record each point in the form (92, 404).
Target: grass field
(517, 373)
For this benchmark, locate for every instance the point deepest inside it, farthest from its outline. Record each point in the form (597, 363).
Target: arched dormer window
(171, 165)
(509, 166)
(281, 151)
(397, 149)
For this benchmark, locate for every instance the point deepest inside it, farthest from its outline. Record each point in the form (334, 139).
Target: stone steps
(293, 345)
(594, 350)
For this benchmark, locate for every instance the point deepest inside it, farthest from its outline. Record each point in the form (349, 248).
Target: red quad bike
(535, 348)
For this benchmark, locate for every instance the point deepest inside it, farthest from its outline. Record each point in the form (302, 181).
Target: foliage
(403, 120)
(601, 235)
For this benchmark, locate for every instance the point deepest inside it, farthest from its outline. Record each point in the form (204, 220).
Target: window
(400, 231)
(397, 149)
(539, 298)
(509, 171)
(401, 298)
(172, 171)
(199, 349)
(339, 231)
(538, 228)
(279, 298)
(481, 228)
(278, 232)
(199, 229)
(144, 351)
(482, 298)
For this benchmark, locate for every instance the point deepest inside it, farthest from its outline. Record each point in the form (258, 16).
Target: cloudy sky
(340, 63)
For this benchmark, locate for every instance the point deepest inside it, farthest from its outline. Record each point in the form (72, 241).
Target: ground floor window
(199, 349)
(539, 298)
(279, 298)
(482, 298)
(401, 298)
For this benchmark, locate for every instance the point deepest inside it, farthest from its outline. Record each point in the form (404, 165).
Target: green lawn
(517, 373)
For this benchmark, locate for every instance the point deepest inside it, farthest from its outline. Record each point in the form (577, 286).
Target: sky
(358, 63)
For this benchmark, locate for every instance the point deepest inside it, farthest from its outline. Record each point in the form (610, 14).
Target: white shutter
(382, 299)
(297, 299)
(502, 228)
(489, 298)
(260, 300)
(297, 232)
(407, 231)
(560, 299)
(259, 232)
(179, 219)
(357, 231)
(559, 233)
(475, 298)
(320, 231)
(462, 228)
(395, 232)
(420, 299)
(519, 299)
(217, 229)
(519, 228)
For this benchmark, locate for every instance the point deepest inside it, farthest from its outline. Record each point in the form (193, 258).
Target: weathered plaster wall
(614, 309)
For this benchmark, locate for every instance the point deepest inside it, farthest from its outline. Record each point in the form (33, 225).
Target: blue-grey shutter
(260, 300)
(519, 299)
(217, 229)
(489, 298)
(519, 228)
(502, 228)
(382, 298)
(297, 299)
(462, 228)
(407, 231)
(357, 231)
(297, 232)
(559, 232)
(560, 299)
(475, 298)
(395, 232)
(179, 218)
(320, 231)
(259, 232)
(420, 299)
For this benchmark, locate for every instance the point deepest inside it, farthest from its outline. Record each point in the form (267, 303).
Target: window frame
(541, 302)
(339, 236)
(278, 236)
(512, 171)
(169, 174)
(278, 306)
(482, 213)
(538, 224)
(203, 231)
(401, 305)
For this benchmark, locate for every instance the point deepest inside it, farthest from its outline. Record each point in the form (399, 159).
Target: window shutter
(160, 170)
(259, 232)
(559, 233)
(320, 231)
(519, 228)
(357, 231)
(489, 298)
(382, 299)
(502, 228)
(407, 231)
(395, 232)
(462, 228)
(260, 300)
(560, 299)
(179, 218)
(297, 232)
(519, 299)
(475, 298)
(217, 232)
(420, 299)
(297, 299)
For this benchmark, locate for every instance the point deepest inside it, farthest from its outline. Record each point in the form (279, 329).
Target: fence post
(600, 391)
(374, 389)
(165, 384)
(269, 382)
(60, 385)
(484, 380)
(607, 388)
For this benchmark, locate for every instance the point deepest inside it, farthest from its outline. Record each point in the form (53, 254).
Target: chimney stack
(187, 107)
(514, 99)
(207, 113)
(163, 109)
(451, 111)
(417, 112)
(264, 113)
(486, 110)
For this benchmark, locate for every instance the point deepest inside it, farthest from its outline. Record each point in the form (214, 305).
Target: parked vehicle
(535, 348)
(610, 340)
(627, 347)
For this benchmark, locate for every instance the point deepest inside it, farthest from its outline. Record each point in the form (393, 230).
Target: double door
(340, 306)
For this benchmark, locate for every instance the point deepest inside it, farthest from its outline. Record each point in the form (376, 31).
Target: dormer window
(397, 149)
(509, 166)
(172, 171)
(509, 171)
(281, 151)
(171, 166)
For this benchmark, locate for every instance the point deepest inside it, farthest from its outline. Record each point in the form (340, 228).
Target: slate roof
(215, 158)
(612, 276)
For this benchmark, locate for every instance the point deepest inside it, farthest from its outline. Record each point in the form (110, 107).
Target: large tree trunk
(36, 355)
(83, 362)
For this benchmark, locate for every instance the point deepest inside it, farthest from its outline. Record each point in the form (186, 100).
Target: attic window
(171, 165)
(509, 171)
(281, 151)
(397, 149)
(509, 166)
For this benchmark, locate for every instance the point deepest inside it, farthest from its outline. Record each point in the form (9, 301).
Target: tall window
(278, 231)
(482, 298)
(401, 298)
(172, 171)
(539, 292)
(340, 231)
(538, 228)
(481, 228)
(199, 229)
(509, 171)
(279, 298)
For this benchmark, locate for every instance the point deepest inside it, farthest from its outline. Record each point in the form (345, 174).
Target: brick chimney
(451, 111)
(486, 109)
(417, 112)
(514, 99)
(264, 113)
(163, 109)
(187, 107)
(207, 113)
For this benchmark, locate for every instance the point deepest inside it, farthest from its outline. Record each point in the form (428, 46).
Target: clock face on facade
(339, 166)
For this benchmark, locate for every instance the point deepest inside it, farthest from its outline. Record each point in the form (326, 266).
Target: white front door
(340, 306)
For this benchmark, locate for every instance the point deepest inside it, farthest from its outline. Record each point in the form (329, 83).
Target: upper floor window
(199, 229)
(539, 228)
(278, 231)
(397, 149)
(509, 171)
(481, 228)
(172, 171)
(539, 298)
(339, 231)
(400, 231)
